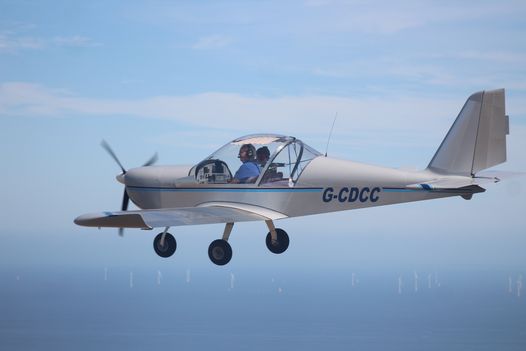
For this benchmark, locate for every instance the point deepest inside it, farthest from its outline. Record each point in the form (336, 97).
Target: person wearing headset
(248, 172)
(262, 156)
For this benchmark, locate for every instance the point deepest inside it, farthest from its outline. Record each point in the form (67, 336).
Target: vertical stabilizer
(477, 139)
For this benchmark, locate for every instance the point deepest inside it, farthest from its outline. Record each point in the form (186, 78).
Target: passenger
(248, 172)
(262, 156)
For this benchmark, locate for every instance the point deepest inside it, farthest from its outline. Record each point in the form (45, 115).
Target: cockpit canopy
(287, 158)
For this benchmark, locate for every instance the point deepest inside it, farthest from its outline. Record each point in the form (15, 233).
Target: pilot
(248, 172)
(262, 155)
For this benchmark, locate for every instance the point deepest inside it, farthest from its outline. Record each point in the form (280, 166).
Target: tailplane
(477, 139)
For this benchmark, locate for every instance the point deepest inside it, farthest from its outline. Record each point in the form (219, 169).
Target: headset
(251, 150)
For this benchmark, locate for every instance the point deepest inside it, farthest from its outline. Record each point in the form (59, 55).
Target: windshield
(253, 159)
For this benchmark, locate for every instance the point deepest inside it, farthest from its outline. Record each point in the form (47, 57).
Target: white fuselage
(325, 185)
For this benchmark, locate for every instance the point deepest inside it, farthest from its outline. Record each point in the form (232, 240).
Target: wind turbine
(232, 280)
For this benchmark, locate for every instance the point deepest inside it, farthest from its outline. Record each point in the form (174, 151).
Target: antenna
(330, 133)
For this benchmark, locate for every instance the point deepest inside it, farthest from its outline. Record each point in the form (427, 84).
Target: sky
(183, 78)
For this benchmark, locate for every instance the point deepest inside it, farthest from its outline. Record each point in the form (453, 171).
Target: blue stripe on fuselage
(401, 190)
(228, 190)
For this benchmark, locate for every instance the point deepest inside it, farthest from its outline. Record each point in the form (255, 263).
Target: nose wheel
(164, 244)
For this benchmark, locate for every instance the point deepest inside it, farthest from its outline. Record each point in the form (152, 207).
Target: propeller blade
(124, 207)
(151, 161)
(125, 201)
(107, 147)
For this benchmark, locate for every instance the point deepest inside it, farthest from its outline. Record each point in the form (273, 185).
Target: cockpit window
(288, 164)
(255, 159)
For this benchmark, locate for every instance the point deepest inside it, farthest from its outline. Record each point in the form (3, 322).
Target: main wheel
(220, 252)
(281, 244)
(169, 246)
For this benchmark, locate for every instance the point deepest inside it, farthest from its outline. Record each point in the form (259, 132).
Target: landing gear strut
(164, 244)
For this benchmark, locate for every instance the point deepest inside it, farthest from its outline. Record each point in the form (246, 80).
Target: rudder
(477, 139)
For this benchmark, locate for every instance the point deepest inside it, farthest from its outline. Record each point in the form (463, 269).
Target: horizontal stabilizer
(496, 176)
(461, 186)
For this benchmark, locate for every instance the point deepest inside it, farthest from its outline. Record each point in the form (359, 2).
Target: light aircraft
(297, 180)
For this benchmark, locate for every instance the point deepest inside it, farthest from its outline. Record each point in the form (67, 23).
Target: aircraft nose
(120, 178)
(141, 176)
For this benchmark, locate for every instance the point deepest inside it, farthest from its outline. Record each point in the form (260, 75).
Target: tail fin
(477, 139)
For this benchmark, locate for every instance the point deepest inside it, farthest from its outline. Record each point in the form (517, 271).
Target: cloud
(12, 43)
(13, 40)
(395, 112)
(503, 57)
(363, 117)
(468, 69)
(74, 41)
(305, 17)
(390, 18)
(212, 42)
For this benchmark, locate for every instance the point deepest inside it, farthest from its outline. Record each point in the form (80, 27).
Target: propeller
(125, 197)
(151, 161)
(108, 148)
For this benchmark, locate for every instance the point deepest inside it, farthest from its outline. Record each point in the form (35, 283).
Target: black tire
(281, 245)
(169, 247)
(220, 252)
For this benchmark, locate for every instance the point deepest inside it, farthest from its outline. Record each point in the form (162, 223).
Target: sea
(185, 308)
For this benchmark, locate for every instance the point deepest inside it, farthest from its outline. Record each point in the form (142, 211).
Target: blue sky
(183, 78)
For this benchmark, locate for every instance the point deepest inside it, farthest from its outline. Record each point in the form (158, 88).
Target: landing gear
(220, 252)
(281, 243)
(164, 244)
(277, 239)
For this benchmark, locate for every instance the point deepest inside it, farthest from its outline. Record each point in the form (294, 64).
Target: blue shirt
(247, 170)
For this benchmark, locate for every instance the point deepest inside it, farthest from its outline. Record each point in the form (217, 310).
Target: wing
(208, 213)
